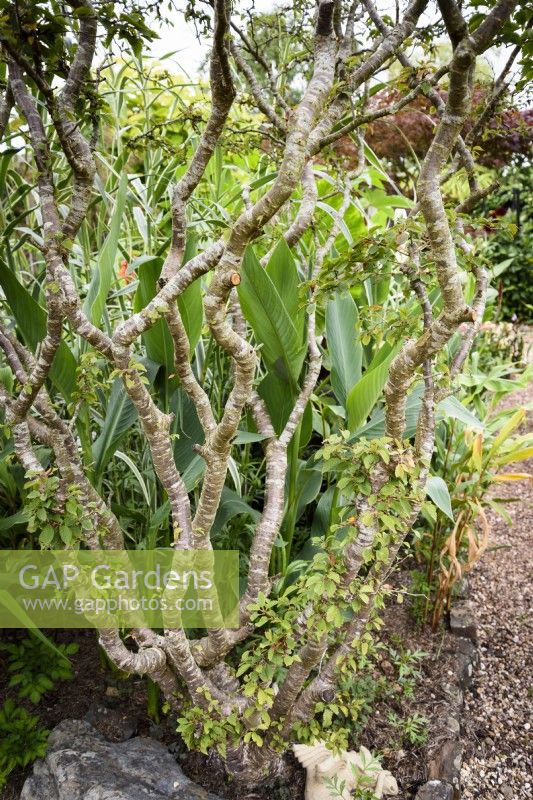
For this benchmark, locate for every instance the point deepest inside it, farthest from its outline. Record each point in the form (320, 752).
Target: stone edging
(446, 752)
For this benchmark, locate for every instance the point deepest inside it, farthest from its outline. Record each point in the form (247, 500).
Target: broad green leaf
(279, 397)
(381, 290)
(190, 301)
(375, 427)
(452, 407)
(131, 464)
(6, 523)
(306, 426)
(273, 327)
(366, 392)
(248, 437)
(104, 272)
(514, 456)
(157, 339)
(188, 431)
(344, 348)
(31, 321)
(437, 491)
(322, 515)
(282, 270)
(308, 483)
(230, 506)
(379, 198)
(120, 415)
(506, 430)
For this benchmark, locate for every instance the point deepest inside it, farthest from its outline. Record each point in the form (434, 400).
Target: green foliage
(151, 119)
(345, 349)
(407, 663)
(363, 396)
(412, 730)
(274, 326)
(323, 600)
(21, 740)
(54, 510)
(514, 253)
(35, 667)
(31, 320)
(364, 780)
(453, 531)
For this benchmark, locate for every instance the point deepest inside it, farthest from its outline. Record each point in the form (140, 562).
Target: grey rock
(445, 764)
(466, 647)
(435, 790)
(461, 588)
(453, 726)
(454, 694)
(463, 623)
(82, 765)
(465, 670)
(507, 791)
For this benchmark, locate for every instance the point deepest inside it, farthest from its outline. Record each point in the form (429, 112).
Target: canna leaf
(119, 417)
(104, 273)
(190, 301)
(344, 347)
(364, 395)
(513, 457)
(157, 339)
(282, 271)
(230, 506)
(279, 397)
(31, 321)
(512, 476)
(264, 309)
(452, 407)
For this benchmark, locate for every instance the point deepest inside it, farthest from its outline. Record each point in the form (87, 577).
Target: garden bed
(398, 726)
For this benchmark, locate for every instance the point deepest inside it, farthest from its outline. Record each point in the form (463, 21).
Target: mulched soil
(498, 760)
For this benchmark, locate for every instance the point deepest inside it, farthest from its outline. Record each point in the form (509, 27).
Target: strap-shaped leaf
(273, 327)
(366, 392)
(157, 339)
(104, 272)
(31, 322)
(282, 270)
(119, 417)
(345, 349)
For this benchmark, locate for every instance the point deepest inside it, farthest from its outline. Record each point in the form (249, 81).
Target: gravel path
(498, 763)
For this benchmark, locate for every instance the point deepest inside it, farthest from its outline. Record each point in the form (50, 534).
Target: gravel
(498, 708)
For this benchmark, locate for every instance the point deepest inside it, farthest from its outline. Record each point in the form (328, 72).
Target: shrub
(35, 666)
(21, 740)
